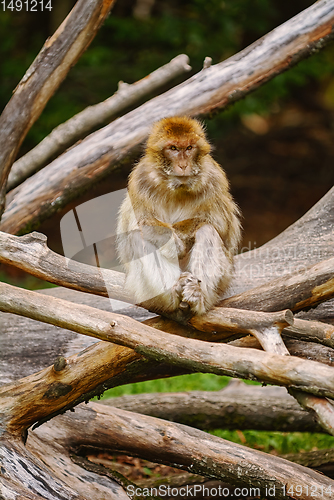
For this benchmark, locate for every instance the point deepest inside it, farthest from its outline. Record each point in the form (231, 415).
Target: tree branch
(31, 254)
(237, 406)
(91, 118)
(212, 89)
(297, 291)
(181, 446)
(44, 76)
(64, 383)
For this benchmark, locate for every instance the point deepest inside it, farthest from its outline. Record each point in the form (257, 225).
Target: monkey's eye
(174, 148)
(189, 147)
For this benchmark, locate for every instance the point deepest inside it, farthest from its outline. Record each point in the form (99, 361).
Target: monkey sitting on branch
(178, 227)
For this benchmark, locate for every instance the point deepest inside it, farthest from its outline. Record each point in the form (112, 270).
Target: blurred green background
(141, 35)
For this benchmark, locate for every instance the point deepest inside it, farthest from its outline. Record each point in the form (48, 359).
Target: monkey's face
(180, 162)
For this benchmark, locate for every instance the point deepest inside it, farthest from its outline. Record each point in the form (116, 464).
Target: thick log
(307, 242)
(159, 441)
(59, 54)
(300, 290)
(91, 118)
(50, 474)
(62, 385)
(315, 284)
(311, 331)
(238, 406)
(213, 88)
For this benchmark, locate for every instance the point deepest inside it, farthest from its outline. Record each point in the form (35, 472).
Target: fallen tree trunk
(156, 440)
(237, 406)
(213, 88)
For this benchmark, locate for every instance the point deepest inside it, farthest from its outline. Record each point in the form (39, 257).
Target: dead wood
(89, 321)
(315, 284)
(50, 474)
(109, 428)
(308, 241)
(62, 385)
(320, 460)
(311, 331)
(43, 343)
(213, 88)
(31, 254)
(237, 406)
(298, 348)
(58, 55)
(91, 118)
(300, 290)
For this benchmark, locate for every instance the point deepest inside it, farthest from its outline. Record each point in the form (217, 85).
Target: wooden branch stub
(321, 409)
(267, 326)
(59, 364)
(209, 90)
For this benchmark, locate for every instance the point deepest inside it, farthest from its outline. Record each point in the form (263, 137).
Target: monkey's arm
(210, 270)
(149, 253)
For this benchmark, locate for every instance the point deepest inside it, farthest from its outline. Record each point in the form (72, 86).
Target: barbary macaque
(178, 228)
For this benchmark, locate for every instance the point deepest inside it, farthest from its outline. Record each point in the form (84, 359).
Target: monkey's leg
(210, 271)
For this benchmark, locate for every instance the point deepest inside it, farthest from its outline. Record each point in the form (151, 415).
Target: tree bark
(159, 441)
(44, 76)
(213, 88)
(91, 118)
(24, 402)
(237, 406)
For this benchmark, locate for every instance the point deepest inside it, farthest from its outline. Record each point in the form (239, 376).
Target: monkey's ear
(204, 146)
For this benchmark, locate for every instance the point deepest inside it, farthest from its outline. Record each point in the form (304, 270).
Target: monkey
(178, 227)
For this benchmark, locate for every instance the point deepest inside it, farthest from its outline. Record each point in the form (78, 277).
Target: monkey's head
(177, 146)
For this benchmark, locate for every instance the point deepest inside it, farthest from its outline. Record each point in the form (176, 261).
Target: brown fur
(179, 213)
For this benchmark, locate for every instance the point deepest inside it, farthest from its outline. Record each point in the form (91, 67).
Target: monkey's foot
(191, 294)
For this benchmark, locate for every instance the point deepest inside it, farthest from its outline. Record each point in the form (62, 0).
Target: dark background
(276, 145)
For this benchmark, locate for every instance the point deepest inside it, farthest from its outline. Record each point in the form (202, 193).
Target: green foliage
(29, 282)
(192, 382)
(281, 442)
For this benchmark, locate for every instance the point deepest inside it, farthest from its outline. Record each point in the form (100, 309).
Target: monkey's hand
(189, 290)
